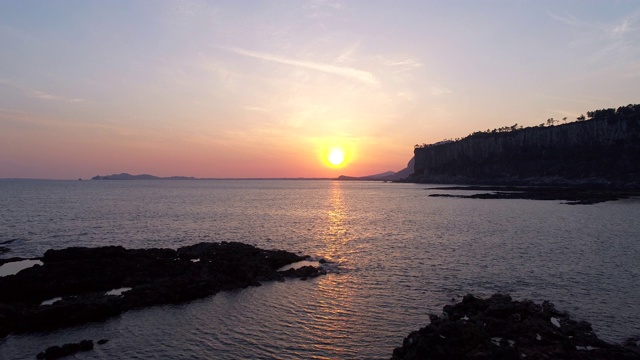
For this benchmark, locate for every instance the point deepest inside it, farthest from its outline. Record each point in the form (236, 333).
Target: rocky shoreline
(575, 195)
(79, 285)
(501, 328)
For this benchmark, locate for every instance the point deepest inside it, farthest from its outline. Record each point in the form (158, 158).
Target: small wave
(11, 241)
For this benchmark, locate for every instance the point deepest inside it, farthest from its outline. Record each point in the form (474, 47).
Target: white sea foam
(585, 348)
(299, 264)
(51, 301)
(117, 292)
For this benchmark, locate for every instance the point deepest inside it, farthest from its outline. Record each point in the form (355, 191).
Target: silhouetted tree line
(629, 113)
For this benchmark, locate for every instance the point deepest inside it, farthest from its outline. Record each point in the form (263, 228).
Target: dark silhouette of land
(573, 195)
(601, 149)
(386, 176)
(126, 176)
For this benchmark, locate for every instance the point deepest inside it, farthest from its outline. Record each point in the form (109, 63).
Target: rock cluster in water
(575, 195)
(500, 328)
(78, 285)
(57, 352)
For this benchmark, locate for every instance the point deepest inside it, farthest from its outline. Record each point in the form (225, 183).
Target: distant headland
(125, 176)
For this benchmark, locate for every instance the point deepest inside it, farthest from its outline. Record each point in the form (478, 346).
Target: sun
(336, 156)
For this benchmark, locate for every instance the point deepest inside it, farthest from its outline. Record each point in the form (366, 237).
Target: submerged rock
(56, 352)
(501, 328)
(82, 276)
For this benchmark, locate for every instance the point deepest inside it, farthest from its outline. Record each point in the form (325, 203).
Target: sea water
(395, 256)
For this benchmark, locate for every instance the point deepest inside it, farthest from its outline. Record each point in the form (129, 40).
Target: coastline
(576, 195)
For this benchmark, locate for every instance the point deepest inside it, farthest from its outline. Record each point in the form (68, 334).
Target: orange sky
(265, 89)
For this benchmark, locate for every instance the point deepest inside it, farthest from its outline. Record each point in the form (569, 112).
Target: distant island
(125, 176)
(385, 176)
(601, 149)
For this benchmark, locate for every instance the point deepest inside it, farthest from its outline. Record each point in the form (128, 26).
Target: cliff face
(603, 150)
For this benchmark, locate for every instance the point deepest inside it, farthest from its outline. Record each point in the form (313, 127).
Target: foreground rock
(78, 285)
(499, 328)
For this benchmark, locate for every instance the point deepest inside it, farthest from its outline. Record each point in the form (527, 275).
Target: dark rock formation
(575, 195)
(604, 150)
(56, 352)
(303, 272)
(500, 328)
(82, 276)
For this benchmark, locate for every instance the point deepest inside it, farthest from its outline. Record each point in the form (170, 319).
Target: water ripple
(396, 256)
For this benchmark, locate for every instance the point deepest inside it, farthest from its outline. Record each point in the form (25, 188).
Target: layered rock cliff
(601, 150)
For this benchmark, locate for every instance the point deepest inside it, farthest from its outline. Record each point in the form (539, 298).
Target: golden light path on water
(336, 314)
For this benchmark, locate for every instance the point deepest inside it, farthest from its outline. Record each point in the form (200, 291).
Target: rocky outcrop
(57, 352)
(75, 285)
(604, 150)
(572, 195)
(500, 328)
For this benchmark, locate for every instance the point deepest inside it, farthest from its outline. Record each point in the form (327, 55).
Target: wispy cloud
(256, 108)
(347, 55)
(567, 19)
(17, 116)
(613, 44)
(46, 96)
(40, 94)
(621, 28)
(324, 8)
(347, 72)
(439, 90)
(402, 65)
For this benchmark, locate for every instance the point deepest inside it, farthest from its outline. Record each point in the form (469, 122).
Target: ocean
(395, 255)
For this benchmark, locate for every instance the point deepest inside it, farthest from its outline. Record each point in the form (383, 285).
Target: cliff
(601, 150)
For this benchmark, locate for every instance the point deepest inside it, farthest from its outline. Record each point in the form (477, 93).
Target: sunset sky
(268, 88)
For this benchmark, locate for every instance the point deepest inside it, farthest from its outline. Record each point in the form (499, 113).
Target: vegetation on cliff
(602, 148)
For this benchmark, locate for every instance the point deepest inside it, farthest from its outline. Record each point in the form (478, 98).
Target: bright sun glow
(336, 156)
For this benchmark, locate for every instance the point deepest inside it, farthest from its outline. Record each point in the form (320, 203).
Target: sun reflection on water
(336, 236)
(333, 318)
